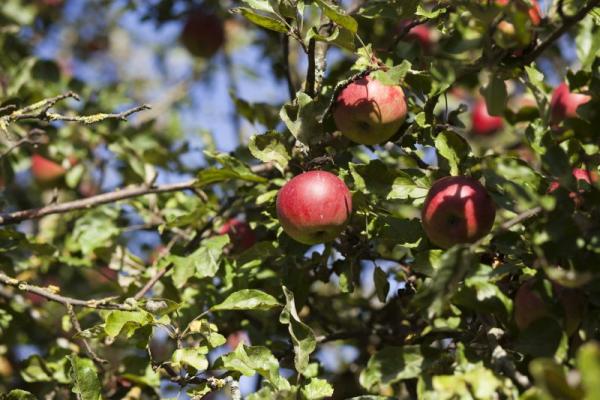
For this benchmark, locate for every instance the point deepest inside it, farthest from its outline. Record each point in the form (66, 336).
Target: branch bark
(93, 201)
(100, 304)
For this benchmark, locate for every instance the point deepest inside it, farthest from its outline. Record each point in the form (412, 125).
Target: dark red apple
(203, 34)
(314, 207)
(241, 235)
(529, 306)
(46, 171)
(369, 112)
(564, 104)
(457, 209)
(482, 123)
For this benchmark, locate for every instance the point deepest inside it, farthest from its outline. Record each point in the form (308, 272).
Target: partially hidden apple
(457, 209)
(203, 34)
(240, 233)
(46, 171)
(564, 104)
(530, 306)
(369, 112)
(314, 207)
(420, 33)
(506, 35)
(581, 175)
(482, 123)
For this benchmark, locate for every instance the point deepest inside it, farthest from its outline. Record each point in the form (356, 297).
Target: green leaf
(382, 285)
(255, 359)
(476, 383)
(495, 96)
(303, 117)
(18, 394)
(454, 148)
(202, 263)
(269, 147)
(247, 299)
(317, 389)
(588, 363)
(232, 169)
(264, 21)
(406, 186)
(125, 321)
(392, 364)
(550, 377)
(194, 357)
(86, 382)
(260, 5)
(393, 76)
(337, 15)
(455, 264)
(303, 338)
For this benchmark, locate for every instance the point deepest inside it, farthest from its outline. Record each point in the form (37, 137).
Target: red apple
(420, 33)
(369, 112)
(482, 123)
(234, 339)
(241, 235)
(203, 34)
(580, 175)
(46, 171)
(528, 305)
(564, 104)
(314, 207)
(457, 209)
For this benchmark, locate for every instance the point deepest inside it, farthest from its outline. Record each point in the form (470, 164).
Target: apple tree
(300, 199)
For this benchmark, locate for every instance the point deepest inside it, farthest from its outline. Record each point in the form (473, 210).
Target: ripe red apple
(369, 112)
(203, 34)
(564, 104)
(46, 171)
(314, 207)
(482, 123)
(457, 209)
(241, 235)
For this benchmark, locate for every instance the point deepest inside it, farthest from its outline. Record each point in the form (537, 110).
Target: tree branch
(93, 201)
(88, 348)
(285, 44)
(568, 23)
(100, 304)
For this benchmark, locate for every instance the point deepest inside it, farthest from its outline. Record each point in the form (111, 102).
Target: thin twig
(105, 198)
(100, 304)
(568, 23)
(88, 348)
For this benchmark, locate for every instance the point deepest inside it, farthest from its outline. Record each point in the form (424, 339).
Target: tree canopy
(437, 235)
